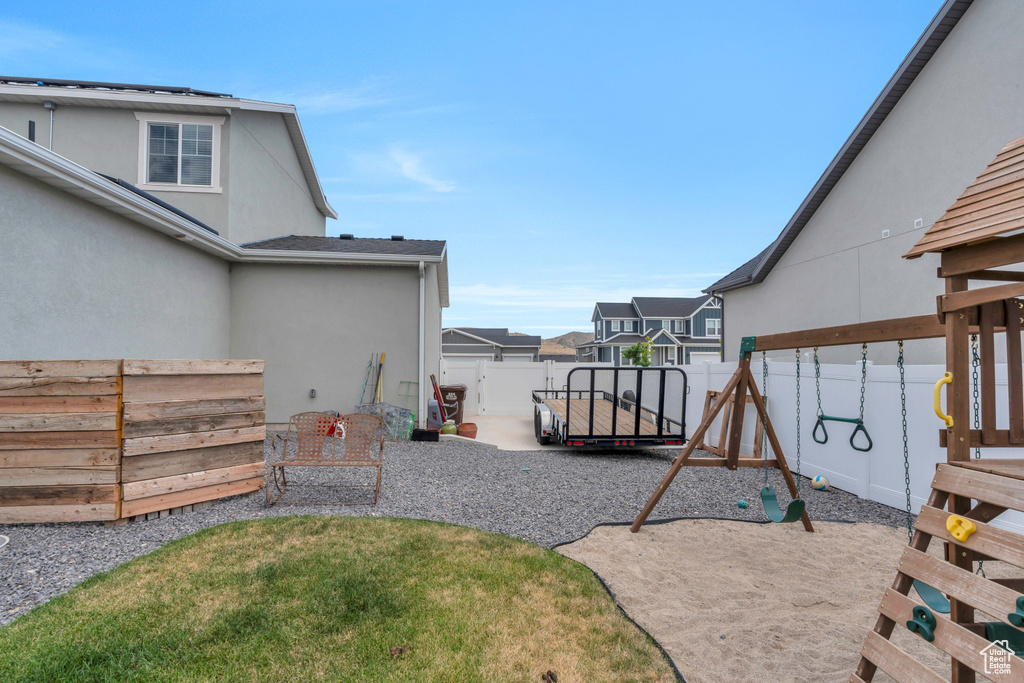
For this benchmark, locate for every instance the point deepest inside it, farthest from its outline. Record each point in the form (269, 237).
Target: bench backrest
(364, 438)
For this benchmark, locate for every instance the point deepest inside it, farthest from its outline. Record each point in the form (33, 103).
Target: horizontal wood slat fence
(112, 439)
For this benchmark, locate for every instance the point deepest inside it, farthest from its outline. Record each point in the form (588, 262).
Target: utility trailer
(614, 407)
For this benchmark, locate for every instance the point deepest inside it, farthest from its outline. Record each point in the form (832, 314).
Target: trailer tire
(542, 440)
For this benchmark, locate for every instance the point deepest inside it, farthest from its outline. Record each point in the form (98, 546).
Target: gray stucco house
(683, 330)
(951, 105)
(155, 222)
(488, 343)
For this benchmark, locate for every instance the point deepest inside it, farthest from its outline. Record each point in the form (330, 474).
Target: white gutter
(422, 350)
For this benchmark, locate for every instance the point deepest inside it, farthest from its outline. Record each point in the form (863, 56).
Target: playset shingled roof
(991, 207)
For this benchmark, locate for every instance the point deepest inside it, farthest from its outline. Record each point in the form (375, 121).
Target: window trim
(717, 335)
(146, 118)
(615, 326)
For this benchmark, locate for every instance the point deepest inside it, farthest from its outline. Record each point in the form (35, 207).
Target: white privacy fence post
(481, 392)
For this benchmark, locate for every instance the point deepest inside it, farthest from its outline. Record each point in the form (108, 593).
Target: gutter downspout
(51, 106)
(420, 384)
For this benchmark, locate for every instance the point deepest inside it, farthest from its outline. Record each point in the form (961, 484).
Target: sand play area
(737, 601)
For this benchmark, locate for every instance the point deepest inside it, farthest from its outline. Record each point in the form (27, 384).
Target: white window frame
(615, 326)
(146, 118)
(665, 355)
(718, 332)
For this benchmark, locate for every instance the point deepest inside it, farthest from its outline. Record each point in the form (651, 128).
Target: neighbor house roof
(498, 335)
(757, 269)
(352, 245)
(616, 310)
(991, 206)
(668, 307)
(164, 98)
(50, 168)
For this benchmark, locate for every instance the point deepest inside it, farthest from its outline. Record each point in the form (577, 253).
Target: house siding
(329, 353)
(80, 282)
(269, 195)
(700, 319)
(960, 111)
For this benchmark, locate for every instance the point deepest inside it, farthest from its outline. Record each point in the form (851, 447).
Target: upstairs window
(179, 153)
(615, 326)
(627, 326)
(713, 327)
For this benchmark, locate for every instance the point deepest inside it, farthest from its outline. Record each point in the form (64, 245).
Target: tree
(640, 353)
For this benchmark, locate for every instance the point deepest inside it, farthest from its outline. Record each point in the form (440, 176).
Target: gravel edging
(545, 497)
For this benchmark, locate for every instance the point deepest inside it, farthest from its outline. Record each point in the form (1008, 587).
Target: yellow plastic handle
(946, 379)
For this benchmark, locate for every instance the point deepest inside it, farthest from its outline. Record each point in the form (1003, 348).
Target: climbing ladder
(997, 486)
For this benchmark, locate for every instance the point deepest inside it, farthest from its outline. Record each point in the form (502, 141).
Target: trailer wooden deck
(579, 415)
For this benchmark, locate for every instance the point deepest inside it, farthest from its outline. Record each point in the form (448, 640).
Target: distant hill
(566, 342)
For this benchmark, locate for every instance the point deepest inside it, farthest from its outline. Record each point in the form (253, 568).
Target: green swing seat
(932, 597)
(770, 500)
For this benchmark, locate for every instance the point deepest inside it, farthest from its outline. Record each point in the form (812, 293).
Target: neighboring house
(96, 266)
(559, 357)
(488, 343)
(683, 331)
(952, 104)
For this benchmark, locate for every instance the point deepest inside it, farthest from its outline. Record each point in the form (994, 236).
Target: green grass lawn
(326, 598)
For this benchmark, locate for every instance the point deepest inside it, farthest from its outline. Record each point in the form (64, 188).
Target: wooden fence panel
(103, 440)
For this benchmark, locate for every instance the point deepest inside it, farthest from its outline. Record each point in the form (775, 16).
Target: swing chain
(977, 410)
(764, 418)
(975, 361)
(817, 380)
(906, 447)
(863, 377)
(798, 423)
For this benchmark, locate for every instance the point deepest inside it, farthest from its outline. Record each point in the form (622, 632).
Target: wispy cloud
(18, 39)
(46, 48)
(411, 166)
(399, 162)
(368, 94)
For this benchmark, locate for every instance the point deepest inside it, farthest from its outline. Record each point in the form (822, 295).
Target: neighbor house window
(179, 152)
(713, 328)
(615, 326)
(677, 325)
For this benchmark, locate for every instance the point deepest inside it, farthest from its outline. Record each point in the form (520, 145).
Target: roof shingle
(358, 245)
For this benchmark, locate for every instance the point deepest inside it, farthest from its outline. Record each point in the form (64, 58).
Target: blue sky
(568, 151)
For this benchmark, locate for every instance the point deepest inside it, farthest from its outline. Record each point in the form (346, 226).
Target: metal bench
(326, 440)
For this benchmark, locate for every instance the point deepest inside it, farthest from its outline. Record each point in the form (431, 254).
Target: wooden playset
(977, 236)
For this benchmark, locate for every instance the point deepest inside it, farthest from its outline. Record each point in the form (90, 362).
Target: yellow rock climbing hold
(959, 527)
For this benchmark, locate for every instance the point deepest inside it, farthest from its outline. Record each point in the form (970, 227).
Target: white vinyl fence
(500, 388)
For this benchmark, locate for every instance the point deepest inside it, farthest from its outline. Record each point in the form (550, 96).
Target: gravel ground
(547, 497)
